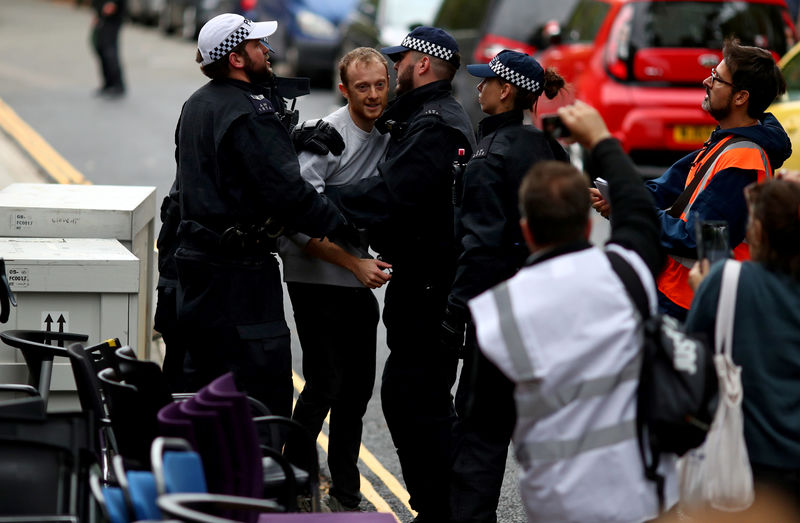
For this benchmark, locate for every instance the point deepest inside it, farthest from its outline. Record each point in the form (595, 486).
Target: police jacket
(564, 330)
(720, 196)
(492, 247)
(237, 168)
(408, 207)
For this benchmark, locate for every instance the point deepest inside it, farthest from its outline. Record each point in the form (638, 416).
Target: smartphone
(713, 241)
(602, 186)
(552, 125)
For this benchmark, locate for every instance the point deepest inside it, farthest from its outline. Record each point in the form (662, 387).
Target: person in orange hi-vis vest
(746, 147)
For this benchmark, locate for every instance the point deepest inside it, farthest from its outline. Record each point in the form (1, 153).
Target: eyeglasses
(265, 41)
(716, 78)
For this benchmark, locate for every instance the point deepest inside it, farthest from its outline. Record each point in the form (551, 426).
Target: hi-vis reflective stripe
(539, 405)
(510, 332)
(711, 170)
(565, 449)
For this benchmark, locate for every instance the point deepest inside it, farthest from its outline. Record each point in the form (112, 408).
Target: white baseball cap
(224, 32)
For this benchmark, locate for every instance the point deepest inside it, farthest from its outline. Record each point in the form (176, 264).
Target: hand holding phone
(552, 125)
(602, 186)
(713, 242)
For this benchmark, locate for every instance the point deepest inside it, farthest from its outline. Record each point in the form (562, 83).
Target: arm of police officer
(634, 223)
(266, 160)
(368, 271)
(317, 137)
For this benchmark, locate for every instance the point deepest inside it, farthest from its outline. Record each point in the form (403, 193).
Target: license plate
(692, 133)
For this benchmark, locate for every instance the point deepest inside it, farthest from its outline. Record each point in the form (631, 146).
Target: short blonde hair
(360, 55)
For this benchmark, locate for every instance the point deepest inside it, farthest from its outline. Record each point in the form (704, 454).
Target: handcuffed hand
(320, 138)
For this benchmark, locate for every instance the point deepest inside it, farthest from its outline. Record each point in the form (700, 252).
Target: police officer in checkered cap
(238, 185)
(408, 212)
(492, 250)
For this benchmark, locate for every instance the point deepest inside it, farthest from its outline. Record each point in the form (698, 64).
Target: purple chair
(173, 423)
(213, 445)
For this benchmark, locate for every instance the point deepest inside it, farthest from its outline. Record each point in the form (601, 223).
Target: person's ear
(526, 234)
(506, 90)
(424, 64)
(344, 91)
(236, 60)
(741, 97)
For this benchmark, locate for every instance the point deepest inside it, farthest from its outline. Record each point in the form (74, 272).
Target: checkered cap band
(233, 39)
(423, 46)
(514, 77)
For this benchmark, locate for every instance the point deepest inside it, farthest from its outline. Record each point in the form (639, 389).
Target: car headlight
(314, 25)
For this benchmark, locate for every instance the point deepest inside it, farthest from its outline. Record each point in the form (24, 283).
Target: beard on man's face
(717, 111)
(257, 73)
(405, 80)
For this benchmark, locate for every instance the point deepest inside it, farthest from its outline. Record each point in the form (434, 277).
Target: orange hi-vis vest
(674, 279)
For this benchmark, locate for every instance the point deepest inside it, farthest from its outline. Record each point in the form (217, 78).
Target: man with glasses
(747, 146)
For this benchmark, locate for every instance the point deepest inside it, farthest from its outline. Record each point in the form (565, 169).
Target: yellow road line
(367, 489)
(37, 148)
(369, 460)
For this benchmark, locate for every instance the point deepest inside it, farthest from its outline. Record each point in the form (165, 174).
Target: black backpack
(677, 383)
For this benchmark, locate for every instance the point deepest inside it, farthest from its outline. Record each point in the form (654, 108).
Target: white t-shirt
(363, 150)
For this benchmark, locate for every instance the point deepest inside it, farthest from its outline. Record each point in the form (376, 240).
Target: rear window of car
(584, 21)
(707, 24)
(521, 19)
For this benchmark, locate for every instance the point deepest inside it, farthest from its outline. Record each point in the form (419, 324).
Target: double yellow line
(372, 463)
(38, 149)
(63, 172)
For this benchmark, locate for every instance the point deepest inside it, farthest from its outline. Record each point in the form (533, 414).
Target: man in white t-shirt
(329, 285)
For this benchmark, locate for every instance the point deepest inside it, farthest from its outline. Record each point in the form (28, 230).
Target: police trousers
(337, 327)
(482, 434)
(415, 392)
(231, 314)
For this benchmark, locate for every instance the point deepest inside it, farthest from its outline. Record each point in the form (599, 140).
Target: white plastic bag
(718, 473)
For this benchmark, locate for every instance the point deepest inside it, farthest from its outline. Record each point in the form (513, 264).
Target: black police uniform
(493, 250)
(166, 314)
(105, 40)
(240, 184)
(408, 211)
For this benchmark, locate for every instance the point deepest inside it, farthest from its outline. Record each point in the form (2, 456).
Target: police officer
(319, 138)
(492, 250)
(408, 211)
(239, 187)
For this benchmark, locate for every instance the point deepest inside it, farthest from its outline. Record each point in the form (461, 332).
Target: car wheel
(189, 22)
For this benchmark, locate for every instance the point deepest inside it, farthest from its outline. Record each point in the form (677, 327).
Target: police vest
(565, 331)
(673, 281)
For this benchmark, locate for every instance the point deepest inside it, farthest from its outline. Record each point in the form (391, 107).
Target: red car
(641, 63)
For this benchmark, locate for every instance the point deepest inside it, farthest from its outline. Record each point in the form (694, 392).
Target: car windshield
(521, 19)
(706, 24)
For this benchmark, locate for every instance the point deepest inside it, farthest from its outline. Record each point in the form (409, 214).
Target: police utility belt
(244, 238)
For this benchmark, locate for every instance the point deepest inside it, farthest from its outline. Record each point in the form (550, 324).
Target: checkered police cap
(224, 32)
(429, 40)
(516, 68)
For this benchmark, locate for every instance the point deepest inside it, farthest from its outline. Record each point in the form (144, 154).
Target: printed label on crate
(21, 221)
(18, 277)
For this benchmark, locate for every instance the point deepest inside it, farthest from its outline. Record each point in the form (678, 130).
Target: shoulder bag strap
(631, 281)
(638, 295)
(680, 204)
(726, 308)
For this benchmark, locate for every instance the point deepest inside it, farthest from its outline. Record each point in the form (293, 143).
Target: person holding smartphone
(492, 250)
(766, 333)
(746, 147)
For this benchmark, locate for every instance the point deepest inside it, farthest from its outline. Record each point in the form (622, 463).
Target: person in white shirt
(329, 285)
(564, 330)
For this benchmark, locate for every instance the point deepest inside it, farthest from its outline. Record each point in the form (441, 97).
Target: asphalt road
(47, 76)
